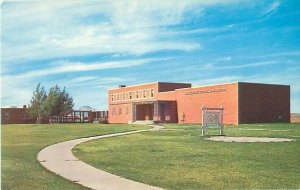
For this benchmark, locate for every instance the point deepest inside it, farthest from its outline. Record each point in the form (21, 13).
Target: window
(130, 95)
(144, 93)
(123, 95)
(113, 112)
(137, 94)
(120, 111)
(112, 97)
(152, 93)
(127, 110)
(118, 96)
(24, 116)
(6, 115)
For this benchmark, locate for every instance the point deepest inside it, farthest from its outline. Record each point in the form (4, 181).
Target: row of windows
(132, 95)
(114, 111)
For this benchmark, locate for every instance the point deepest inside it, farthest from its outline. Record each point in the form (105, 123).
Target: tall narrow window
(112, 97)
(120, 111)
(144, 93)
(24, 116)
(118, 96)
(6, 115)
(123, 95)
(137, 94)
(152, 93)
(127, 110)
(130, 95)
(113, 111)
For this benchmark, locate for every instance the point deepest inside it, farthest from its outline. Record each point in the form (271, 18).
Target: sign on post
(212, 117)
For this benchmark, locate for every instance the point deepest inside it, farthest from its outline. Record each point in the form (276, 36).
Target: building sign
(212, 117)
(205, 91)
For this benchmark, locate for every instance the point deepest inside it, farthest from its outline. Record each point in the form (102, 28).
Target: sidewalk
(59, 159)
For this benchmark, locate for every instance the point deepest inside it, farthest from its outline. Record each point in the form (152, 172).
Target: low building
(165, 102)
(14, 115)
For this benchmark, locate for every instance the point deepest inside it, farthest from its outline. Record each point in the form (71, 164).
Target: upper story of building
(144, 92)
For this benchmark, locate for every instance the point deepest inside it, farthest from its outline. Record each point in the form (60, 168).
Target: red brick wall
(124, 103)
(114, 115)
(242, 102)
(119, 102)
(190, 101)
(15, 116)
(263, 103)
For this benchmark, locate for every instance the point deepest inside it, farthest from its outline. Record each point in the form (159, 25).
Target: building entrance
(156, 111)
(144, 112)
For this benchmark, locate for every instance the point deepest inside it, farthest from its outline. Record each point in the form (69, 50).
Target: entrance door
(144, 112)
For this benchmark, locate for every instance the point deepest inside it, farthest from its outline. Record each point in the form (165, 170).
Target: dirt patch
(248, 139)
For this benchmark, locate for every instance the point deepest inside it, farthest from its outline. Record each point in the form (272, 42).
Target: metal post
(203, 123)
(221, 121)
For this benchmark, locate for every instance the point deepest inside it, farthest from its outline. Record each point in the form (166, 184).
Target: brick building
(178, 102)
(15, 116)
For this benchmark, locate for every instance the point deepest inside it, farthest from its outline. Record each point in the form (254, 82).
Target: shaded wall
(264, 103)
(165, 86)
(144, 112)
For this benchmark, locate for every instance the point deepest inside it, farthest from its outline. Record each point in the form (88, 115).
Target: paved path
(59, 159)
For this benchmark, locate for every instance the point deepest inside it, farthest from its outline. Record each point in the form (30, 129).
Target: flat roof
(147, 84)
(198, 86)
(230, 83)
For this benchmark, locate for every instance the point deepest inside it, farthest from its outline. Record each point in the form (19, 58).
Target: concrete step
(143, 122)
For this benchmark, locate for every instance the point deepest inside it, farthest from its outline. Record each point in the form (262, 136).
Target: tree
(37, 103)
(67, 102)
(58, 102)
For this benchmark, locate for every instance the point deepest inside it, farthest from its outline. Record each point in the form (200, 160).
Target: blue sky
(92, 46)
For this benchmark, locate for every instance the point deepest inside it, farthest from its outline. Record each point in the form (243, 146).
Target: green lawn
(182, 159)
(21, 144)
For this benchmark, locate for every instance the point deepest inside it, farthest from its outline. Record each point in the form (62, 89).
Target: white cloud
(55, 29)
(15, 92)
(65, 66)
(271, 9)
(282, 54)
(256, 64)
(215, 66)
(228, 58)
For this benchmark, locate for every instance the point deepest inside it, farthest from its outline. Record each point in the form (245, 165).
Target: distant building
(295, 117)
(85, 114)
(165, 102)
(14, 115)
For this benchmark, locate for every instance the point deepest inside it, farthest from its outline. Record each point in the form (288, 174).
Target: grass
(21, 144)
(182, 159)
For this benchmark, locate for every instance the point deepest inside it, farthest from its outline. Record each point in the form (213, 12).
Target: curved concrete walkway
(59, 159)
